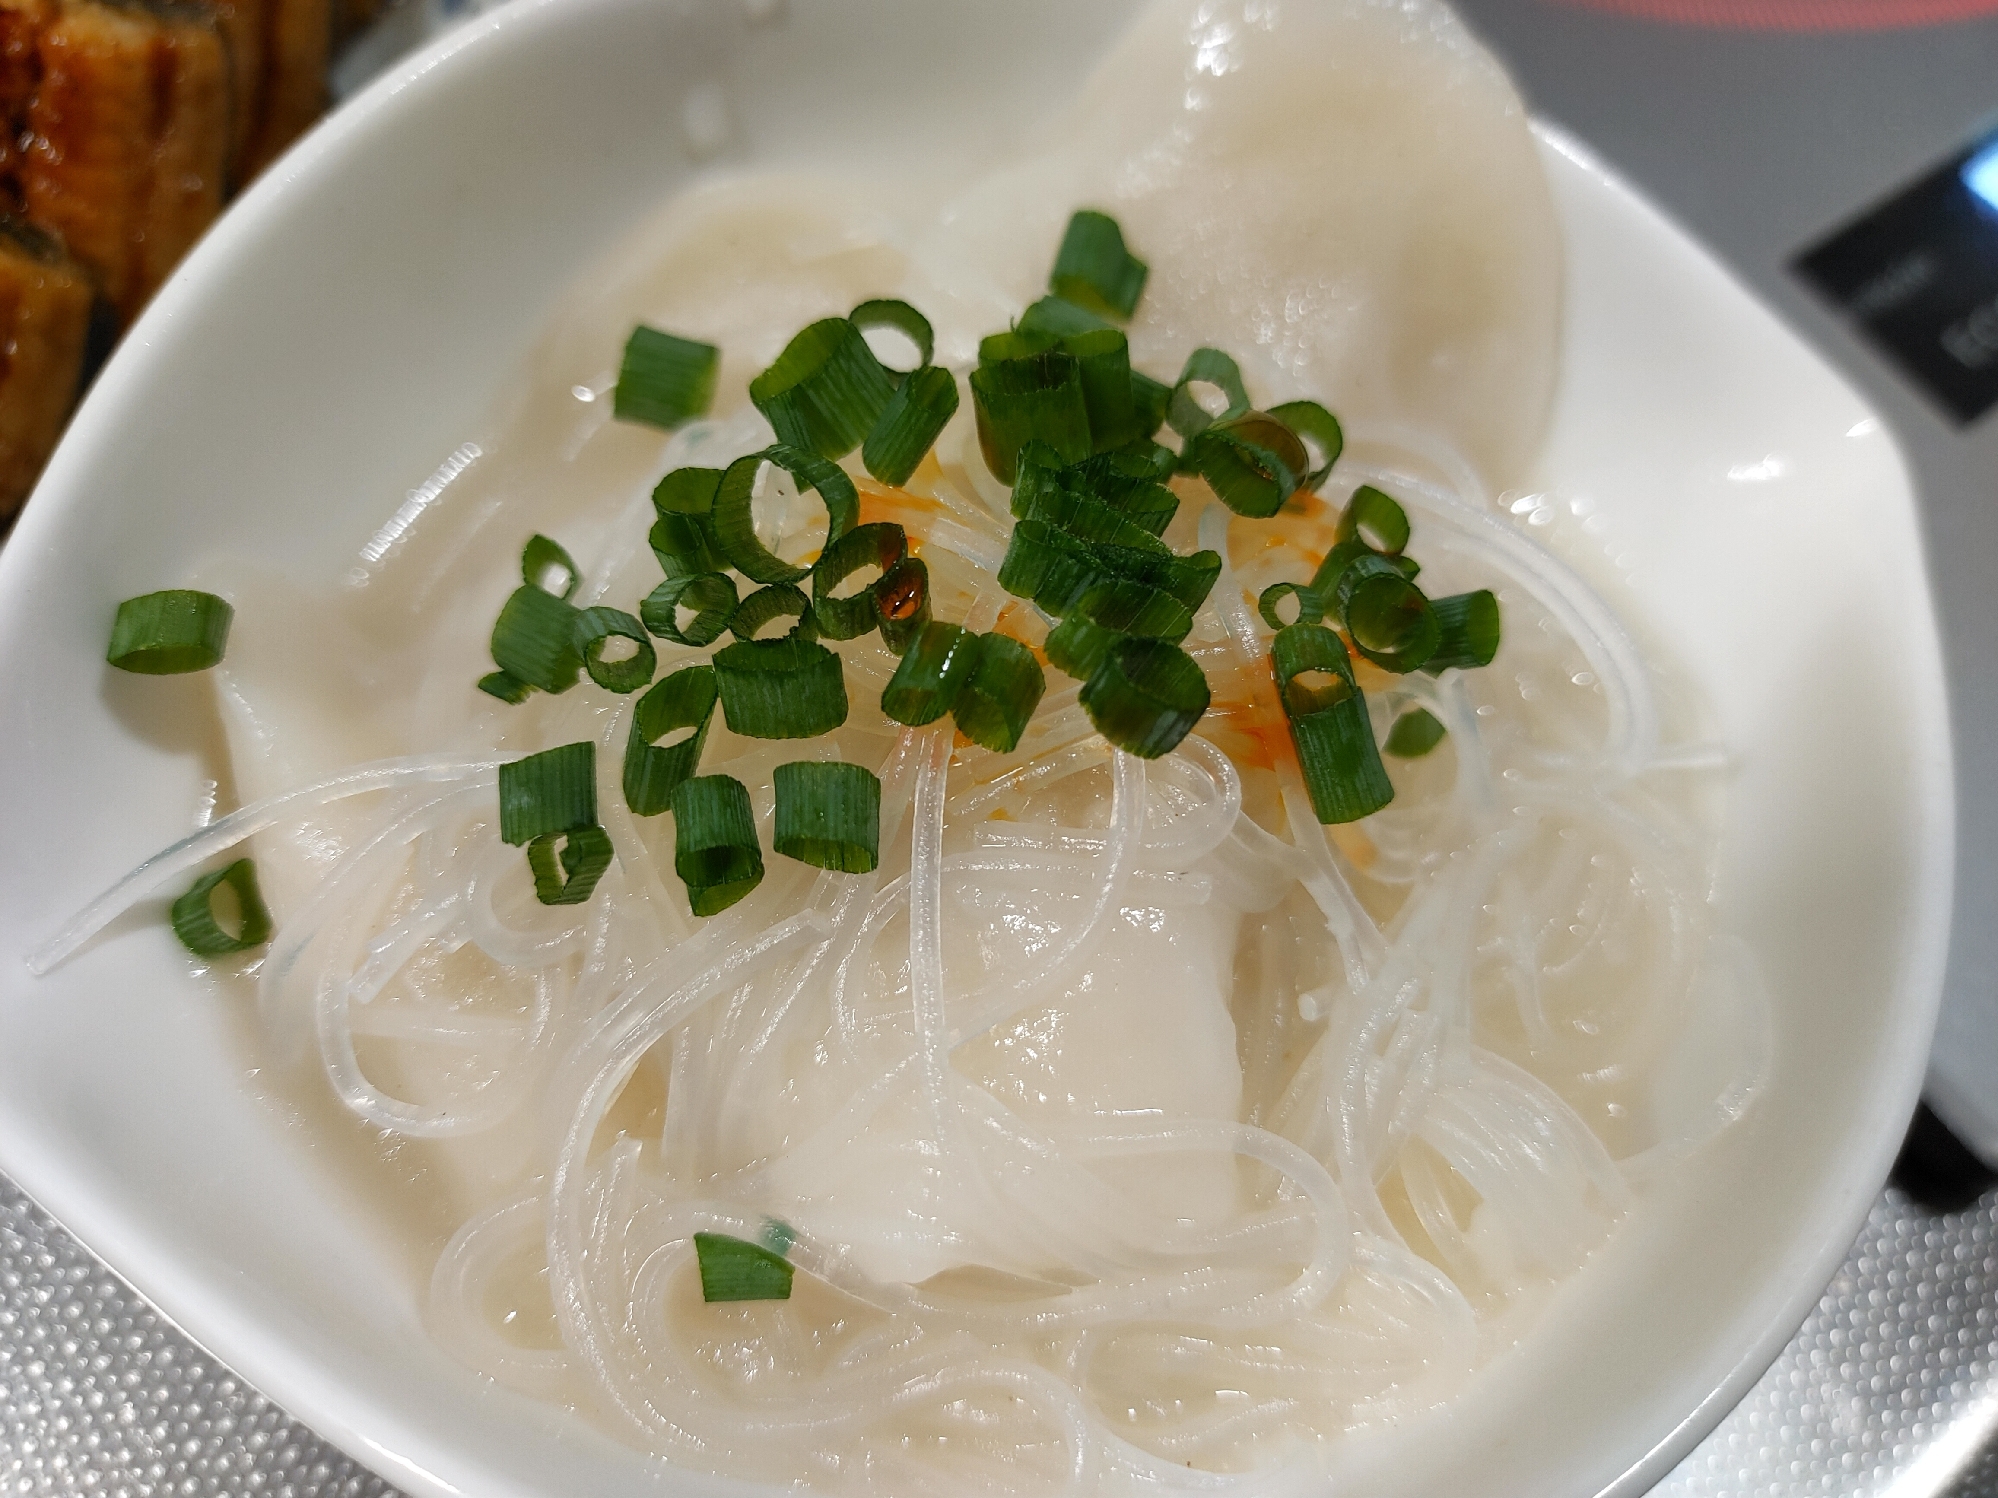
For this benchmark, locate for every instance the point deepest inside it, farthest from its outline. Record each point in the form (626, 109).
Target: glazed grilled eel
(123, 124)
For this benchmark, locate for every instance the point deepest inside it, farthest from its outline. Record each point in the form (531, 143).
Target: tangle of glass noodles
(1455, 1027)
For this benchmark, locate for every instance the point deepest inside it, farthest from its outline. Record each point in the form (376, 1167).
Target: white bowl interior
(344, 329)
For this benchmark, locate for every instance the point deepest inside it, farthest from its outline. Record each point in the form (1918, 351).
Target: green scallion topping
(1110, 612)
(1329, 724)
(1468, 630)
(1389, 620)
(774, 601)
(544, 564)
(735, 521)
(194, 919)
(683, 535)
(714, 842)
(1205, 366)
(829, 815)
(886, 312)
(1253, 462)
(1414, 734)
(1150, 400)
(1316, 427)
(996, 700)
(595, 629)
(1145, 696)
(1331, 571)
(664, 381)
(1094, 270)
(534, 640)
(504, 685)
(1103, 362)
(165, 634)
(1375, 518)
(652, 770)
(881, 545)
(732, 1269)
(572, 878)
(1060, 317)
(824, 393)
(553, 791)
(1024, 397)
(910, 424)
(930, 674)
(788, 688)
(711, 597)
(1053, 568)
(902, 602)
(1310, 607)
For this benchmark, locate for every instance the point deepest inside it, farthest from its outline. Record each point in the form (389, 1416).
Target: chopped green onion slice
(932, 671)
(664, 381)
(653, 771)
(534, 640)
(774, 601)
(902, 600)
(504, 685)
(164, 634)
(788, 688)
(910, 424)
(1205, 366)
(1326, 580)
(996, 700)
(732, 1269)
(1310, 607)
(1329, 724)
(1145, 696)
(683, 535)
(1376, 519)
(881, 544)
(1389, 620)
(1053, 314)
(886, 312)
(829, 815)
(1123, 479)
(1110, 612)
(1093, 269)
(545, 565)
(711, 595)
(1150, 400)
(714, 842)
(194, 913)
(1035, 395)
(553, 791)
(1103, 359)
(824, 393)
(1086, 519)
(586, 853)
(1253, 462)
(1315, 426)
(1414, 734)
(735, 521)
(1045, 563)
(1016, 343)
(1469, 630)
(596, 628)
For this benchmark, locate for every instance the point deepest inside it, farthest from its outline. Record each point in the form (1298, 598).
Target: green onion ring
(711, 595)
(553, 791)
(1310, 605)
(1110, 612)
(715, 852)
(1386, 616)
(1094, 270)
(1145, 696)
(1032, 396)
(881, 544)
(773, 601)
(997, 699)
(1414, 734)
(194, 913)
(534, 639)
(910, 424)
(735, 522)
(1313, 423)
(683, 535)
(1469, 630)
(1103, 362)
(1253, 462)
(539, 557)
(597, 627)
(1330, 726)
(504, 685)
(1371, 510)
(586, 853)
(886, 312)
(664, 381)
(171, 632)
(931, 672)
(828, 815)
(1060, 317)
(733, 1270)
(824, 393)
(1205, 366)
(787, 688)
(653, 771)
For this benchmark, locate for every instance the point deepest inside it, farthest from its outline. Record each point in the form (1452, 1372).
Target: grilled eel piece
(45, 329)
(127, 138)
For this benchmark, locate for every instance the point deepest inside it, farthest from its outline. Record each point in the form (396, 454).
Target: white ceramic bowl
(342, 330)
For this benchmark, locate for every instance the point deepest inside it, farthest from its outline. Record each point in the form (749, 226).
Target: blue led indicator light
(1980, 175)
